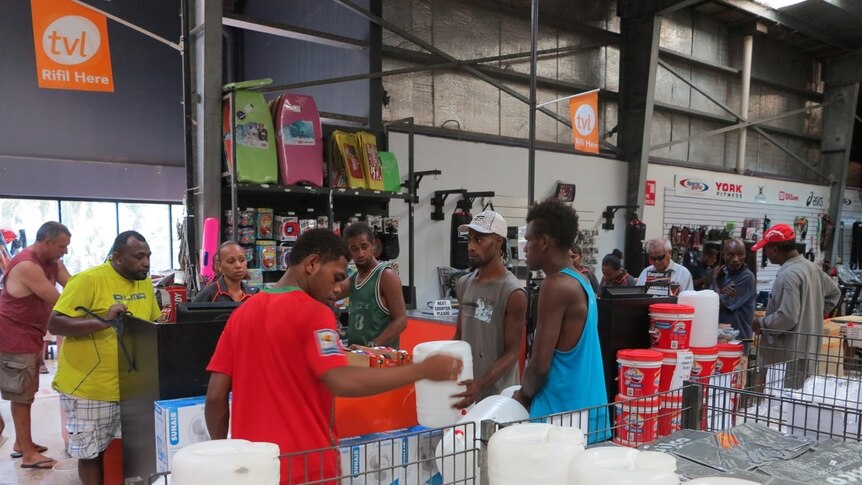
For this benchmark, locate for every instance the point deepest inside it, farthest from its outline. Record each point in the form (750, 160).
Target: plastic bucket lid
(638, 402)
(730, 348)
(669, 356)
(640, 355)
(670, 308)
(702, 353)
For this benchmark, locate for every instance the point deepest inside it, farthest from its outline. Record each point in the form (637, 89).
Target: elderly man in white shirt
(663, 277)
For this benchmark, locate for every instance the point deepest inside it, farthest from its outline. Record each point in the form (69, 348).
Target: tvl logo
(694, 185)
(71, 40)
(585, 119)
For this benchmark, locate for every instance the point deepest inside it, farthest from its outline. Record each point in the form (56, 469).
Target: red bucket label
(669, 421)
(671, 333)
(638, 381)
(636, 425)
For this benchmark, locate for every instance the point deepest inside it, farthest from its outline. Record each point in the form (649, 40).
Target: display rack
(336, 203)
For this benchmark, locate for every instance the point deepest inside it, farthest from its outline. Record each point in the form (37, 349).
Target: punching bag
(856, 245)
(458, 243)
(634, 253)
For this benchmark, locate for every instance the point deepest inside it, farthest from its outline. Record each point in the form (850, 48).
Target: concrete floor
(46, 431)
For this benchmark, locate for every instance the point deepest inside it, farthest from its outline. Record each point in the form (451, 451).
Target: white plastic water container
(533, 453)
(510, 391)
(453, 461)
(719, 481)
(433, 401)
(622, 466)
(226, 462)
(704, 326)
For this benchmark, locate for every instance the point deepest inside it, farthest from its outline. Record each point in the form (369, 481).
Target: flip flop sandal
(40, 465)
(18, 454)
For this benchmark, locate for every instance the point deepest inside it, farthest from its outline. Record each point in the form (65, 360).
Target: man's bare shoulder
(562, 286)
(28, 270)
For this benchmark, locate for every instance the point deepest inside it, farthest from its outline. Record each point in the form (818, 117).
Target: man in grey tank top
(493, 310)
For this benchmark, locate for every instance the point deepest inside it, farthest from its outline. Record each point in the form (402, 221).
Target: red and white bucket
(668, 369)
(670, 414)
(704, 363)
(729, 359)
(636, 420)
(670, 325)
(639, 372)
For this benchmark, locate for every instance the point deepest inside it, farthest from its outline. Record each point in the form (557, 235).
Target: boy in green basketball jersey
(377, 312)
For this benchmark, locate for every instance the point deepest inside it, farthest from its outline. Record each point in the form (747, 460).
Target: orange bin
(395, 409)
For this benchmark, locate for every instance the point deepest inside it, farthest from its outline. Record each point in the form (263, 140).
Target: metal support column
(639, 57)
(188, 131)
(206, 99)
(747, 49)
(531, 151)
(375, 64)
(843, 75)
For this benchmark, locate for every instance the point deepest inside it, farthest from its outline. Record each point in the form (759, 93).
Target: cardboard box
(403, 456)
(377, 357)
(179, 423)
(420, 457)
(373, 459)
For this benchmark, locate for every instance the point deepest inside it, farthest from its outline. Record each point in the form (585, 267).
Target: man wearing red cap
(801, 294)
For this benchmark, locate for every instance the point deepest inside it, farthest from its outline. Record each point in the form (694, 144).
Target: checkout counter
(170, 362)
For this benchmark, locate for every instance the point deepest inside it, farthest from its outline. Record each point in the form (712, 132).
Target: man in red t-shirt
(281, 356)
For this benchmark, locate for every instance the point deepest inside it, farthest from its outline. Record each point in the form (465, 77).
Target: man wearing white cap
(493, 310)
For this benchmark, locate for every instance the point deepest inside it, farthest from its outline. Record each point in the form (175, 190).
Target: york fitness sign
(714, 188)
(746, 189)
(71, 46)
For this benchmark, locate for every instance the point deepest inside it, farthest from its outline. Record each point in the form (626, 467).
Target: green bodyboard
(391, 174)
(256, 158)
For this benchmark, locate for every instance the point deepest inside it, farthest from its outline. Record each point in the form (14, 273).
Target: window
(152, 221)
(94, 225)
(27, 214)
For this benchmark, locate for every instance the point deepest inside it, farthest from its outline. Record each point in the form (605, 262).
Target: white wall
(484, 167)
(704, 203)
(665, 176)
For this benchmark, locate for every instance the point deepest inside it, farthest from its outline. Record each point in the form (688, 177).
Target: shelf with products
(302, 207)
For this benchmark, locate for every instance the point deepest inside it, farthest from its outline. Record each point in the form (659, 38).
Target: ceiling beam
(852, 6)
(789, 21)
(571, 23)
(640, 8)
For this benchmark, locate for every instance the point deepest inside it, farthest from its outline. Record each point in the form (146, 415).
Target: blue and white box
(179, 423)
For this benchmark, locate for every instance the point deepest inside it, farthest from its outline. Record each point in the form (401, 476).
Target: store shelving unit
(336, 203)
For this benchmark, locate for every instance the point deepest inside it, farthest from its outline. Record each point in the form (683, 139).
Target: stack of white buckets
(552, 455)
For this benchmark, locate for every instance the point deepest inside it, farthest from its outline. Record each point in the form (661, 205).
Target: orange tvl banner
(71, 44)
(585, 121)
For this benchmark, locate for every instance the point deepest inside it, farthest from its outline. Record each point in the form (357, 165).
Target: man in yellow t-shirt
(87, 377)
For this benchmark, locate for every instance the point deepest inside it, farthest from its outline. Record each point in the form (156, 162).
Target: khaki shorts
(19, 377)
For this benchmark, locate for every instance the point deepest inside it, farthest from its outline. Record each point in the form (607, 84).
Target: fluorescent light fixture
(776, 4)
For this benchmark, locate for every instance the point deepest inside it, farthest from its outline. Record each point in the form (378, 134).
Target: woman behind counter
(230, 267)
(614, 274)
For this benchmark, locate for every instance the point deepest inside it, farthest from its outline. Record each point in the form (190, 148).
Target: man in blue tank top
(565, 370)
